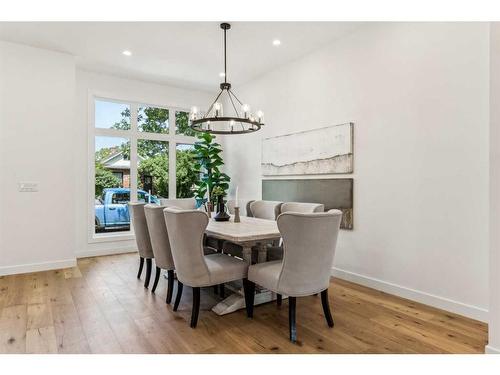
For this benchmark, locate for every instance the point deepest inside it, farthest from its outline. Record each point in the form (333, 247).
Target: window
(119, 176)
(112, 115)
(152, 119)
(140, 151)
(120, 198)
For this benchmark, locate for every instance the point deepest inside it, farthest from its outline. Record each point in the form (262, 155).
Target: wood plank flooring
(100, 307)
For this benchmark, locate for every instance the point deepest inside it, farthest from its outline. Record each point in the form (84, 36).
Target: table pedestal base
(236, 301)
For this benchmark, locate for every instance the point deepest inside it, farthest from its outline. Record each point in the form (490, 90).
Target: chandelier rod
(232, 102)
(239, 101)
(212, 105)
(225, 57)
(234, 107)
(231, 93)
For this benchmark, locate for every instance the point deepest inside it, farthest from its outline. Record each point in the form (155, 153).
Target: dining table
(249, 233)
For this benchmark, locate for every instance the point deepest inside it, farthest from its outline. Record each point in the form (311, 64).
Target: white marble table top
(249, 229)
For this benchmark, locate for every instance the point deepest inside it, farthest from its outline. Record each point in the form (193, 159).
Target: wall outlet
(27, 187)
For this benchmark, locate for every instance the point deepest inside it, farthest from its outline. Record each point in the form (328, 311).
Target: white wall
(37, 230)
(44, 138)
(494, 261)
(118, 88)
(418, 95)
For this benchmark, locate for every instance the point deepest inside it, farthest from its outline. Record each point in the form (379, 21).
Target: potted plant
(218, 195)
(208, 162)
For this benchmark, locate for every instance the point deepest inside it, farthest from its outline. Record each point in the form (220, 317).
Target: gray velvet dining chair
(142, 239)
(309, 242)
(161, 246)
(186, 229)
(276, 252)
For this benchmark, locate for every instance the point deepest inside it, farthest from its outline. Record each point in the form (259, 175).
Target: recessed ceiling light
(222, 74)
(276, 42)
(127, 53)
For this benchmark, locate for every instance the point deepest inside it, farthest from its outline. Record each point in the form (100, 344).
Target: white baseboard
(443, 303)
(102, 252)
(491, 350)
(37, 267)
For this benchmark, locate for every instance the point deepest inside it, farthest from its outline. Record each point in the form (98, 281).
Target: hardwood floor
(101, 307)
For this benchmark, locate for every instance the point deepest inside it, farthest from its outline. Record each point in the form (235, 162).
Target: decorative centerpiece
(236, 208)
(218, 194)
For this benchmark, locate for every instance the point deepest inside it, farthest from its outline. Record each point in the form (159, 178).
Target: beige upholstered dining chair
(265, 209)
(211, 244)
(185, 230)
(305, 208)
(142, 239)
(309, 242)
(184, 203)
(161, 246)
(276, 252)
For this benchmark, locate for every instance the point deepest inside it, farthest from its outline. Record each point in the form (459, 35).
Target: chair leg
(196, 307)
(149, 265)
(279, 299)
(170, 285)
(249, 290)
(221, 291)
(326, 307)
(178, 296)
(157, 278)
(291, 319)
(141, 264)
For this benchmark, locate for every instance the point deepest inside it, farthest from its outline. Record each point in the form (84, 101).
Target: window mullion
(133, 152)
(172, 156)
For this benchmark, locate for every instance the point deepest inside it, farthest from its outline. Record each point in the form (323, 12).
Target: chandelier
(236, 121)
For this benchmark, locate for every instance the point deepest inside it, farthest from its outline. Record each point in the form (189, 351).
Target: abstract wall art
(326, 150)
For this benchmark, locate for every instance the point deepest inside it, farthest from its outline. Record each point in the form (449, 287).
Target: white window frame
(133, 135)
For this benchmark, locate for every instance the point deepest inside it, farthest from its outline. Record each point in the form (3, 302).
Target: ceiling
(184, 54)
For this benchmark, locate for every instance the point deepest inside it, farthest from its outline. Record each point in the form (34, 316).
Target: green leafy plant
(209, 161)
(104, 179)
(218, 192)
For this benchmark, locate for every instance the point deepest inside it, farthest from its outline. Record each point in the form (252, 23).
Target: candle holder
(209, 209)
(237, 215)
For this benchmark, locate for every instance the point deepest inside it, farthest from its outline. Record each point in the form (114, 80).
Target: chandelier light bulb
(194, 113)
(218, 109)
(260, 116)
(245, 108)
